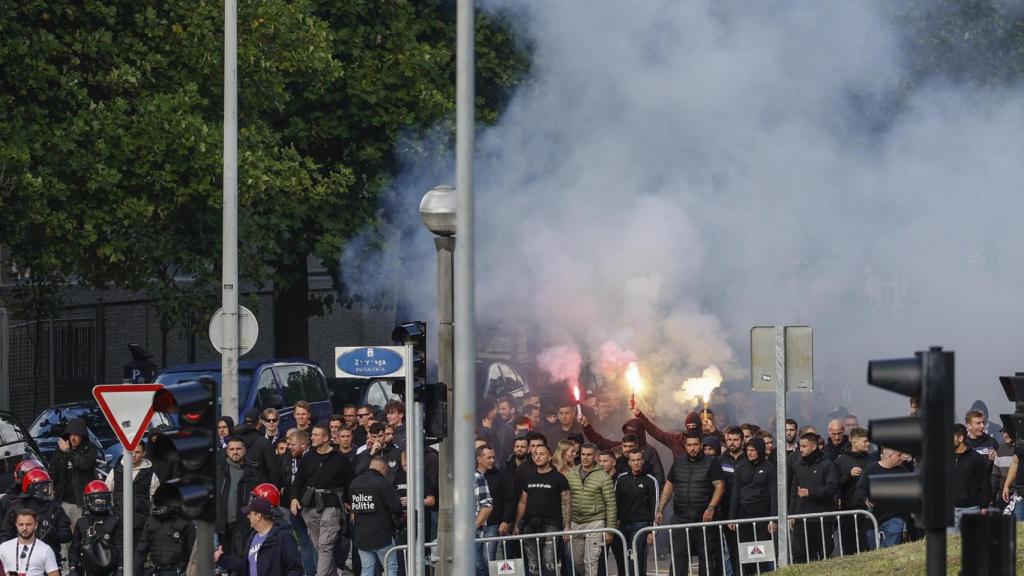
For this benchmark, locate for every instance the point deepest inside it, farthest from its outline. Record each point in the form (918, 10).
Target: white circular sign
(248, 330)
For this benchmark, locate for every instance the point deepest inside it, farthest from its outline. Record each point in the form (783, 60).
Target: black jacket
(500, 482)
(166, 541)
(636, 497)
(970, 479)
(754, 491)
(879, 510)
(821, 477)
(390, 453)
(73, 469)
(833, 451)
(849, 497)
(330, 471)
(250, 478)
(260, 452)
(375, 504)
(54, 525)
(278, 555)
(103, 526)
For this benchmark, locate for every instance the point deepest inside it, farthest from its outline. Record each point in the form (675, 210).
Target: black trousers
(705, 544)
(812, 540)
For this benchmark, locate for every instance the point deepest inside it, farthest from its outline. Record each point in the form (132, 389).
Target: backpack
(99, 552)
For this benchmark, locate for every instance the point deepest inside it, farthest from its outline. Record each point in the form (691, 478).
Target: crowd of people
(328, 498)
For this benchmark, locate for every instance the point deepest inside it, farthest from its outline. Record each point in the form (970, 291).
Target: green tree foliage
(111, 141)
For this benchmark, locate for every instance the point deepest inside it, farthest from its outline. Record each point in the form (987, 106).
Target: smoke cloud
(673, 174)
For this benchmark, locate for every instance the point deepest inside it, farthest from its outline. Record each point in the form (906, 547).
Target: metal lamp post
(437, 210)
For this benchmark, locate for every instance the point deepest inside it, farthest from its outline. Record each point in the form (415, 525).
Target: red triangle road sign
(128, 408)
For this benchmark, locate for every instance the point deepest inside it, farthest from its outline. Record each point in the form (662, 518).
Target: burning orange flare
(633, 377)
(701, 387)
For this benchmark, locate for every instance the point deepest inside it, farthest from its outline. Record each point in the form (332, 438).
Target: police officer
(375, 505)
(54, 526)
(96, 548)
(14, 491)
(166, 541)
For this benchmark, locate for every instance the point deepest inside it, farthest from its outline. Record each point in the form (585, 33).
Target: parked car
(16, 444)
(50, 423)
(493, 379)
(274, 383)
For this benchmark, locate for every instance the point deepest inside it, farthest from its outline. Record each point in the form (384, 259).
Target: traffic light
(927, 436)
(1013, 386)
(191, 449)
(434, 396)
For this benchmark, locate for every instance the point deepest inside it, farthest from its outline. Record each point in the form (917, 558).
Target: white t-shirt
(32, 560)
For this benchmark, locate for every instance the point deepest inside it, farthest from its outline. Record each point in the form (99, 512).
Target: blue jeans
(369, 559)
(892, 532)
(485, 551)
(304, 542)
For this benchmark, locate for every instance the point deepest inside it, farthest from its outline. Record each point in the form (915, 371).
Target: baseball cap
(261, 505)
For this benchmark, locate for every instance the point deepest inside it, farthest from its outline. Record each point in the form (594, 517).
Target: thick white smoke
(675, 173)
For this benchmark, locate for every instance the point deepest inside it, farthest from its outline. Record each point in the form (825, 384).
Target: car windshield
(244, 380)
(51, 423)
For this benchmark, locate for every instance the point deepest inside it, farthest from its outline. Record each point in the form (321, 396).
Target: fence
(755, 549)
(755, 544)
(548, 557)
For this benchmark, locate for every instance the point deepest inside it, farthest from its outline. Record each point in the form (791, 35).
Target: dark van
(274, 383)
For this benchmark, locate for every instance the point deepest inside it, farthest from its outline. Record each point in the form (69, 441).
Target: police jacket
(375, 505)
(249, 480)
(278, 555)
(73, 469)
(754, 491)
(54, 525)
(92, 527)
(260, 452)
(849, 497)
(693, 485)
(637, 497)
(820, 477)
(167, 541)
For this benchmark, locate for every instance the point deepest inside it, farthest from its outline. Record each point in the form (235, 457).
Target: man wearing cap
(258, 450)
(270, 549)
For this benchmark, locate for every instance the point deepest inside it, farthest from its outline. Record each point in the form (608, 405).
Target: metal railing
(562, 549)
(713, 553)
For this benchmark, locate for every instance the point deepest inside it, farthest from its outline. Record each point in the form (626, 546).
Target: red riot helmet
(23, 467)
(268, 491)
(97, 498)
(37, 484)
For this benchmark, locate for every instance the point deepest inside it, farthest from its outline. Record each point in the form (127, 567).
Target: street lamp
(437, 209)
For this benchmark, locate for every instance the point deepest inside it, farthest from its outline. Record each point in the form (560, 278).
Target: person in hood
(851, 464)
(271, 548)
(73, 466)
(633, 436)
(225, 428)
(258, 450)
(712, 446)
(754, 496)
(144, 485)
(676, 442)
(815, 488)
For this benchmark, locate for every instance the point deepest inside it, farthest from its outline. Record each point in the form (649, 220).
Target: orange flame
(701, 387)
(633, 376)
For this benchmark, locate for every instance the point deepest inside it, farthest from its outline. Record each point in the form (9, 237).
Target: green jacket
(593, 499)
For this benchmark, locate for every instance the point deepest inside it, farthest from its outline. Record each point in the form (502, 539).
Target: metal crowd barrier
(562, 550)
(719, 556)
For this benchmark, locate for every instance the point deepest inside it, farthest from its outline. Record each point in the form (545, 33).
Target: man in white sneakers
(25, 555)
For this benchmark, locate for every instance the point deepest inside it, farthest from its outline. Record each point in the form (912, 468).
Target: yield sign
(128, 408)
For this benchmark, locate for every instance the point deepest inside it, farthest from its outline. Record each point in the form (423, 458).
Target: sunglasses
(270, 420)
(362, 415)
